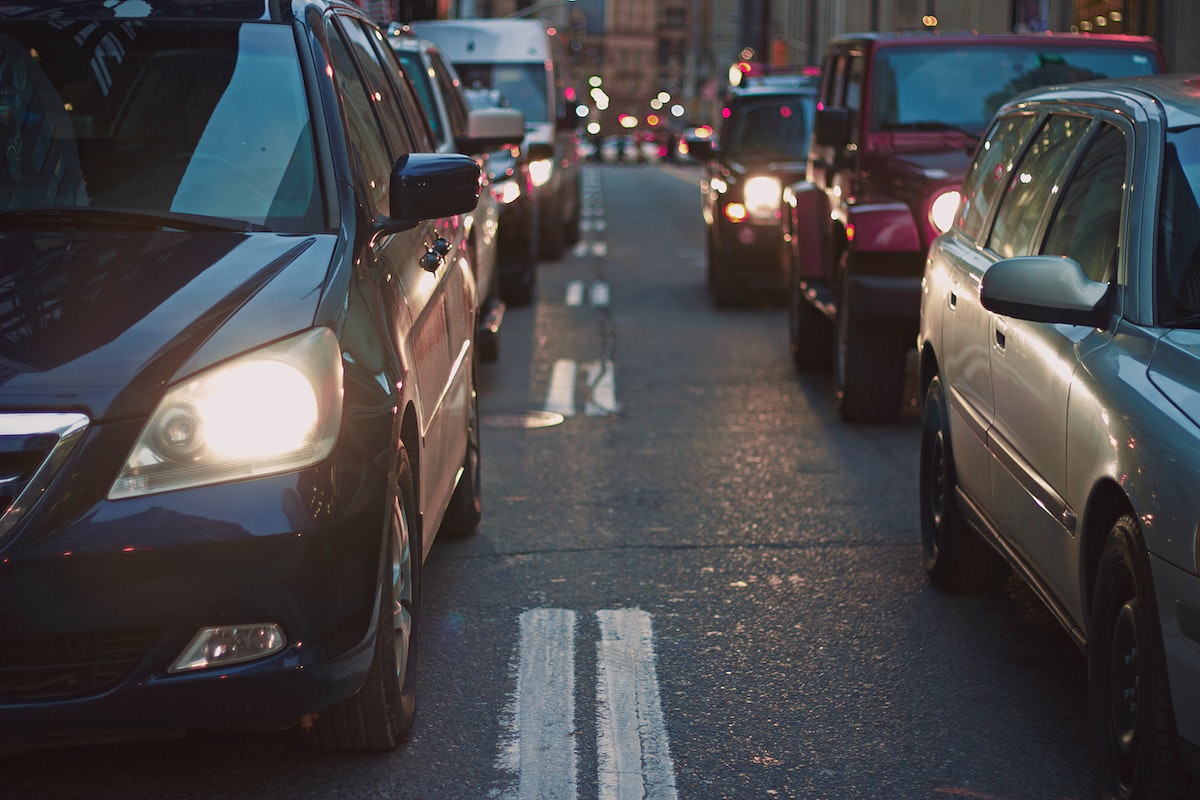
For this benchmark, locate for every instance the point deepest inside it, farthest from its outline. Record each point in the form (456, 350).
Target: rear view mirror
(491, 129)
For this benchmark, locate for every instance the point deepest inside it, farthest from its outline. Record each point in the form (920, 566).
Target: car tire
(380, 715)
(869, 363)
(1134, 739)
(721, 285)
(956, 559)
(517, 288)
(553, 242)
(466, 504)
(810, 336)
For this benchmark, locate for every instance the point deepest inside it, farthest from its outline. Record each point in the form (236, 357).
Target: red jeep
(898, 119)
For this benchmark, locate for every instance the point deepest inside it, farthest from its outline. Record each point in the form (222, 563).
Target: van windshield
(522, 85)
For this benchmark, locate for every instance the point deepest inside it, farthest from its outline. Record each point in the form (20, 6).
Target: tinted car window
(963, 87)
(988, 173)
(419, 75)
(1087, 221)
(451, 88)
(209, 119)
(1033, 181)
(376, 77)
(365, 135)
(1178, 288)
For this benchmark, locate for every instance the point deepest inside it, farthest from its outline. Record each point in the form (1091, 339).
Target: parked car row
(249, 262)
(1041, 247)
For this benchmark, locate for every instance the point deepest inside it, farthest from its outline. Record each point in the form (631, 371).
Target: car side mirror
(491, 129)
(1045, 289)
(430, 186)
(831, 128)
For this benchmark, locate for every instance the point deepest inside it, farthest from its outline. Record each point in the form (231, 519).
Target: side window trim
(1038, 235)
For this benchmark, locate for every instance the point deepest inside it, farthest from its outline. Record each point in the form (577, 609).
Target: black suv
(237, 399)
(760, 147)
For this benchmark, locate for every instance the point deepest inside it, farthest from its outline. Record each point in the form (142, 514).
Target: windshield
(523, 86)
(209, 121)
(962, 88)
(770, 129)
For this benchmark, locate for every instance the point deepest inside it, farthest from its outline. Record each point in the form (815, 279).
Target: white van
(521, 59)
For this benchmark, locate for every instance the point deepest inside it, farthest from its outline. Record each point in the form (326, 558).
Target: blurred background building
(669, 60)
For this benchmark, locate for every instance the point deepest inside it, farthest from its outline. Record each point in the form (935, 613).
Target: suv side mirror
(491, 129)
(832, 127)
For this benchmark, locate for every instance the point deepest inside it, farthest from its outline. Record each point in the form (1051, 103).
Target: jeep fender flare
(881, 228)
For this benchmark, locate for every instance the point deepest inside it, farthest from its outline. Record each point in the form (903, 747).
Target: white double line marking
(633, 751)
(601, 384)
(597, 291)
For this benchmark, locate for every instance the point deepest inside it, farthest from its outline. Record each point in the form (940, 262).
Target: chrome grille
(33, 448)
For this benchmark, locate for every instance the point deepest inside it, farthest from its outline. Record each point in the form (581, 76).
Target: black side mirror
(429, 186)
(832, 127)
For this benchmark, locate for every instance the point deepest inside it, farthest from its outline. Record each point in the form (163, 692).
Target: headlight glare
(273, 410)
(943, 209)
(540, 171)
(763, 195)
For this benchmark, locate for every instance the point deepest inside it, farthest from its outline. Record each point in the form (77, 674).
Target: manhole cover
(520, 419)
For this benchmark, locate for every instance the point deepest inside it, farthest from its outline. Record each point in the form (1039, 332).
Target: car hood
(787, 171)
(104, 322)
(1173, 369)
(925, 166)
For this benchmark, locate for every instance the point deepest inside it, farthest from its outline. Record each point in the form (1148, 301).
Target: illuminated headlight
(540, 171)
(943, 209)
(229, 644)
(274, 410)
(762, 196)
(506, 191)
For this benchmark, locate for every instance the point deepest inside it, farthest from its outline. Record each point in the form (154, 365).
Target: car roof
(1059, 39)
(1177, 95)
(236, 10)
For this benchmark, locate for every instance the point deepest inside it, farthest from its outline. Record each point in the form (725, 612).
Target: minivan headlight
(273, 410)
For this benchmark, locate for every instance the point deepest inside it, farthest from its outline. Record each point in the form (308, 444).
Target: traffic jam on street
(373, 427)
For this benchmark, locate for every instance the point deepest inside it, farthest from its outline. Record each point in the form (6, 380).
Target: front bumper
(752, 254)
(98, 598)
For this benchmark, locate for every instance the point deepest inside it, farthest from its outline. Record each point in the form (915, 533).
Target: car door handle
(1000, 338)
(953, 300)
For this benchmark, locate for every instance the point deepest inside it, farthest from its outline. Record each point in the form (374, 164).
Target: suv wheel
(810, 336)
(869, 363)
(725, 293)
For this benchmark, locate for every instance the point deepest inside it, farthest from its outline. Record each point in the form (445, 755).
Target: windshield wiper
(931, 125)
(1186, 321)
(87, 217)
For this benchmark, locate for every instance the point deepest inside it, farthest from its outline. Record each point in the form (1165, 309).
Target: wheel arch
(1106, 504)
